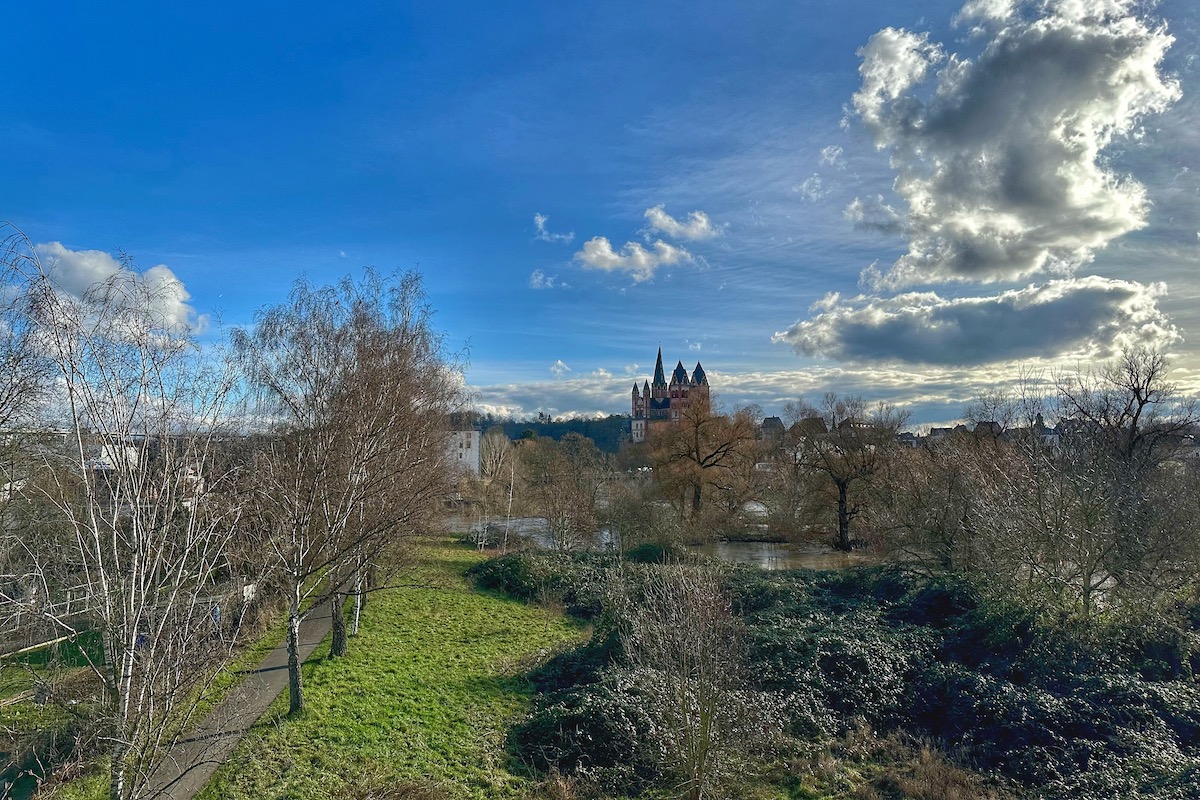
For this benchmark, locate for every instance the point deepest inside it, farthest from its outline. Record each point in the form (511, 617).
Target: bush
(581, 665)
(654, 553)
(578, 581)
(601, 731)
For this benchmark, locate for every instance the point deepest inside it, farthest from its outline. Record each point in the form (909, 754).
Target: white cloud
(559, 368)
(540, 280)
(873, 214)
(697, 227)
(832, 155)
(1084, 317)
(638, 261)
(1001, 157)
(811, 189)
(543, 235)
(76, 272)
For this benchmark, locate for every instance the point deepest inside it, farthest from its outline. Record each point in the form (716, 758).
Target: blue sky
(908, 201)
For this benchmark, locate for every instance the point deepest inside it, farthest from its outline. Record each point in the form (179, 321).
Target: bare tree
(494, 490)
(687, 651)
(1082, 505)
(25, 370)
(358, 388)
(705, 460)
(135, 508)
(846, 445)
(561, 481)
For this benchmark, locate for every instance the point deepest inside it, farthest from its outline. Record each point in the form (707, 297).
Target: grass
(423, 699)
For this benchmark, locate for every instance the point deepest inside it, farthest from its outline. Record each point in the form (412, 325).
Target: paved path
(190, 764)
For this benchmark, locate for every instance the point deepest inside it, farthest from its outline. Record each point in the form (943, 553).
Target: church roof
(680, 374)
(660, 379)
(698, 376)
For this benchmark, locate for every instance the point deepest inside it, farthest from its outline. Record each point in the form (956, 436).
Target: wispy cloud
(543, 235)
(559, 368)
(696, 228)
(873, 214)
(538, 279)
(638, 261)
(832, 155)
(811, 188)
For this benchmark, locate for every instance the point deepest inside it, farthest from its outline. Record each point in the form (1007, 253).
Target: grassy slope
(425, 696)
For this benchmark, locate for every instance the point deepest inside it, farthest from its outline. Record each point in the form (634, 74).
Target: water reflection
(771, 555)
(767, 555)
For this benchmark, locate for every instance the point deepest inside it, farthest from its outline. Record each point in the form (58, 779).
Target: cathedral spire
(660, 378)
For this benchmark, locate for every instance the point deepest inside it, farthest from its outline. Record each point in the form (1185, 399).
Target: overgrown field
(419, 708)
(880, 683)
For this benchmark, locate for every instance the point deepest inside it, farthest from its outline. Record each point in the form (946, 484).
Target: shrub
(601, 731)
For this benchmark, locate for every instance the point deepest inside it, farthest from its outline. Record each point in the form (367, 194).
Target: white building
(463, 449)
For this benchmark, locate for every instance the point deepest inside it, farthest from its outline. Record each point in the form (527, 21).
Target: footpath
(189, 765)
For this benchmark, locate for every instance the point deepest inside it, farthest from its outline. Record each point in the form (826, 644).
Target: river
(767, 555)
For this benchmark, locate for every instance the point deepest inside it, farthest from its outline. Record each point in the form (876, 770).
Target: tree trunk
(358, 600)
(337, 612)
(368, 583)
(295, 685)
(843, 512)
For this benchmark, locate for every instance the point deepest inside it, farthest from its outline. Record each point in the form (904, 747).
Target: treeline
(158, 496)
(1079, 495)
(607, 433)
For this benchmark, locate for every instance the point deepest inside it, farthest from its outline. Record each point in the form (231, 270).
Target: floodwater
(766, 555)
(773, 556)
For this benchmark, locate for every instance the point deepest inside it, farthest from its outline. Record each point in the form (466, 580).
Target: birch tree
(354, 389)
(134, 498)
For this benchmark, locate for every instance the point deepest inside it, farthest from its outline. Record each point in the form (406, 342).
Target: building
(462, 448)
(660, 401)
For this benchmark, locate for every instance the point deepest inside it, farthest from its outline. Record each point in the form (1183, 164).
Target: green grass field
(424, 697)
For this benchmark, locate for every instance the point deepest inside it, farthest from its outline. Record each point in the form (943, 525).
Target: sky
(914, 202)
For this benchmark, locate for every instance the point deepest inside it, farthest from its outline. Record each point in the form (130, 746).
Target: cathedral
(664, 402)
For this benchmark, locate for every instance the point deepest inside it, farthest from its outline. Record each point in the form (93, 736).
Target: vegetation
(936, 668)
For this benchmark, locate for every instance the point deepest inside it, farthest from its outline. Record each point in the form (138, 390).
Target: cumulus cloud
(540, 280)
(543, 235)
(697, 227)
(1087, 317)
(559, 368)
(76, 272)
(638, 261)
(1001, 157)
